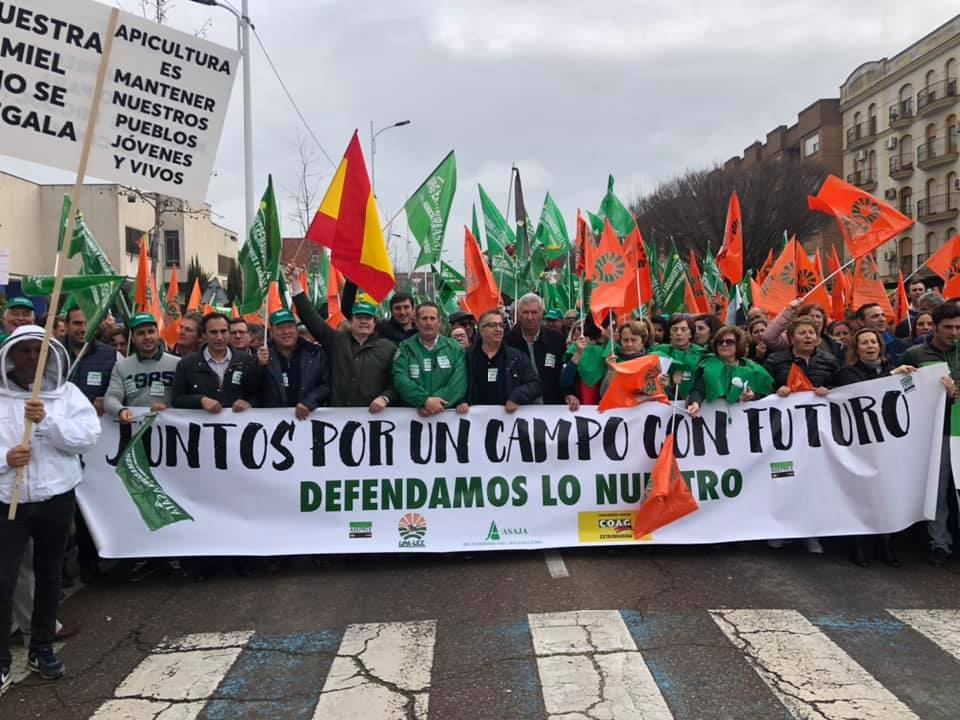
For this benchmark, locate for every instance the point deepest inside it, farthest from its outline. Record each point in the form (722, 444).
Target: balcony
(861, 134)
(906, 264)
(901, 114)
(938, 208)
(937, 151)
(901, 167)
(939, 95)
(906, 206)
(865, 179)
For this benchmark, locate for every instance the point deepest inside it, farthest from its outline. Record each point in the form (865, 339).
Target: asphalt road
(639, 632)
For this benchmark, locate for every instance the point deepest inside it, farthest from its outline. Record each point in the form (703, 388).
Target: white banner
(164, 98)
(862, 460)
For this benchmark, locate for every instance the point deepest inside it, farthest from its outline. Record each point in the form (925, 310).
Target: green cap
(553, 315)
(361, 307)
(279, 317)
(141, 319)
(20, 302)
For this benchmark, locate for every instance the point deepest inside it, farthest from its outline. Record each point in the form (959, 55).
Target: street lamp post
(373, 151)
(243, 45)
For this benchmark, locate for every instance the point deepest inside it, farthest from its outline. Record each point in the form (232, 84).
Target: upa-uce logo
(412, 528)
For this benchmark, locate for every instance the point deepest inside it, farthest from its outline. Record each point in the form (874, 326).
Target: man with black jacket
(498, 374)
(544, 347)
(295, 372)
(216, 376)
(401, 324)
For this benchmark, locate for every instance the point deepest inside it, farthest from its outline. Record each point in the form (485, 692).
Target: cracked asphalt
(674, 630)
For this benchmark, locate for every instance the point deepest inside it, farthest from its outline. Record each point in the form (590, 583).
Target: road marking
(811, 675)
(382, 671)
(942, 627)
(555, 564)
(176, 679)
(590, 668)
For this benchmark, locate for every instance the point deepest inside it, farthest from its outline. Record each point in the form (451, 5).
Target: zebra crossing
(587, 664)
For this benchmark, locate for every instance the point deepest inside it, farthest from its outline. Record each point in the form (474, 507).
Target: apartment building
(900, 118)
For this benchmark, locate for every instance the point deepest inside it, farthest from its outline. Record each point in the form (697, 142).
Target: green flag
(446, 292)
(529, 280)
(93, 260)
(93, 294)
(474, 227)
(133, 468)
(616, 212)
(672, 288)
(260, 254)
(712, 280)
(499, 238)
(552, 231)
(452, 276)
(596, 224)
(429, 207)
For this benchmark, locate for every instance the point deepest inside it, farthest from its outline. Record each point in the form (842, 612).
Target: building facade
(117, 216)
(816, 137)
(900, 118)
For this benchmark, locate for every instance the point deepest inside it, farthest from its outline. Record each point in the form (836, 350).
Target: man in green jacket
(429, 369)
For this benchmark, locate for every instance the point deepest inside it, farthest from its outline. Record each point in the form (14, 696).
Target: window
(224, 264)
(133, 236)
(171, 247)
(811, 146)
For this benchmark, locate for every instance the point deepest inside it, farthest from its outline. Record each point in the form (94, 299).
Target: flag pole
(61, 261)
(847, 264)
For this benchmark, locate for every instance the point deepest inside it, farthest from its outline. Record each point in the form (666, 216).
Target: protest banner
(163, 102)
(862, 460)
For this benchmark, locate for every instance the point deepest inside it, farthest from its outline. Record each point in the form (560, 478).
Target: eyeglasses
(493, 325)
(727, 341)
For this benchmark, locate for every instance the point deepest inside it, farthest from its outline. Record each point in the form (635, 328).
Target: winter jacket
(394, 331)
(314, 378)
(775, 336)
(419, 373)
(359, 373)
(819, 370)
(141, 382)
(927, 354)
(516, 378)
(70, 427)
(548, 349)
(894, 348)
(194, 380)
(92, 372)
(859, 372)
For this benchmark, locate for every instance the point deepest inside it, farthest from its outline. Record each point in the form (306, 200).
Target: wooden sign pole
(64, 250)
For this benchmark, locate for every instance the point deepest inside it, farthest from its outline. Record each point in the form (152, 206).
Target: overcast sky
(570, 91)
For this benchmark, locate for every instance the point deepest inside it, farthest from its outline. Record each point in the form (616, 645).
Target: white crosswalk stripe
(590, 667)
(587, 661)
(382, 670)
(812, 676)
(942, 627)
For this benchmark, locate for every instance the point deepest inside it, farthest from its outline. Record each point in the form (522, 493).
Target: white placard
(164, 99)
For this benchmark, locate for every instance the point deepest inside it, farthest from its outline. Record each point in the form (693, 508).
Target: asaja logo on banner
(502, 535)
(361, 529)
(412, 528)
(607, 527)
(494, 533)
(782, 469)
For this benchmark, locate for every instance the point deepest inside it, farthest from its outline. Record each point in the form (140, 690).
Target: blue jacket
(314, 378)
(92, 373)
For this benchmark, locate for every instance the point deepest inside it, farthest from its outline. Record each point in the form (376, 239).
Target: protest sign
(163, 103)
(862, 460)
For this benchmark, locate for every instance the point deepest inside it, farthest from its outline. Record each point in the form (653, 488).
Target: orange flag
(867, 287)
(901, 308)
(335, 316)
(838, 298)
(669, 497)
(610, 276)
(193, 304)
(765, 268)
(348, 223)
(810, 276)
(145, 295)
(797, 380)
(779, 288)
(584, 248)
(690, 304)
(631, 297)
(865, 222)
(643, 267)
(274, 301)
(945, 262)
(482, 291)
(171, 326)
(639, 375)
(730, 258)
(699, 294)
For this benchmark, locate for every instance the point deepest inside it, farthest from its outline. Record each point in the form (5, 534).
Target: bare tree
(305, 195)
(691, 209)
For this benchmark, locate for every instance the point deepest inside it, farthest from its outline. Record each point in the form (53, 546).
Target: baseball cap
(20, 302)
(141, 319)
(279, 317)
(362, 307)
(553, 315)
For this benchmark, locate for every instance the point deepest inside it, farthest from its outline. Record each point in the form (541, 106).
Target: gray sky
(569, 91)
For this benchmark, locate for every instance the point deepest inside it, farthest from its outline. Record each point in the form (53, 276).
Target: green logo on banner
(493, 533)
(361, 529)
(782, 469)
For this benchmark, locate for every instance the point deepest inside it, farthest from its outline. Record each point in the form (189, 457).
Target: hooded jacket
(70, 427)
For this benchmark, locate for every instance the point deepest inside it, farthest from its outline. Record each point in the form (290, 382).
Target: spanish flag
(348, 223)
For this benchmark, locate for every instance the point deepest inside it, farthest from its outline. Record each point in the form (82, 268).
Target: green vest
(593, 364)
(721, 380)
(684, 361)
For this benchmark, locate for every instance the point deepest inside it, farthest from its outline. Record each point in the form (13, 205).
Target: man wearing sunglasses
(498, 374)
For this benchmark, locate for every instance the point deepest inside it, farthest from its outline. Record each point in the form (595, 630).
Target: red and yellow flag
(865, 222)
(482, 291)
(730, 258)
(669, 498)
(348, 223)
(797, 379)
(171, 325)
(945, 262)
(639, 375)
(610, 276)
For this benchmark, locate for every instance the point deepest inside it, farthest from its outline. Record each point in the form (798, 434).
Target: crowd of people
(523, 355)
